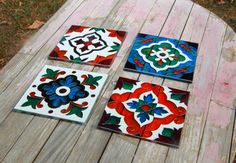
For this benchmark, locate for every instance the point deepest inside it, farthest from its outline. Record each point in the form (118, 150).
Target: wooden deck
(209, 134)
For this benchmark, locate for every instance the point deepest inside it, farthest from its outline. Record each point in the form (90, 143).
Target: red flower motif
(133, 127)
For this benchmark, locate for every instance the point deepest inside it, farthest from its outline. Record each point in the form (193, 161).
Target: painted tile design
(151, 112)
(164, 57)
(62, 93)
(96, 46)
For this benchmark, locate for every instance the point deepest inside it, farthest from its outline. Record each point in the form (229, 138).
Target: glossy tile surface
(151, 112)
(163, 57)
(62, 93)
(96, 46)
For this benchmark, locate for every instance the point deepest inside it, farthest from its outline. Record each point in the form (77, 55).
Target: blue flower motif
(62, 91)
(133, 104)
(143, 117)
(146, 107)
(159, 111)
(148, 99)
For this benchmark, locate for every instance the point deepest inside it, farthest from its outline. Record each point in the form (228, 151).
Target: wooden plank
(110, 151)
(179, 13)
(224, 90)
(58, 149)
(147, 146)
(118, 16)
(28, 73)
(207, 62)
(46, 130)
(115, 150)
(10, 70)
(233, 143)
(153, 151)
(31, 69)
(81, 14)
(30, 142)
(196, 25)
(78, 154)
(91, 140)
(94, 140)
(60, 143)
(53, 24)
(10, 131)
(216, 141)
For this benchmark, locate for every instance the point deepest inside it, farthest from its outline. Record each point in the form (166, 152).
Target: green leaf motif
(167, 132)
(99, 29)
(92, 80)
(50, 73)
(115, 47)
(177, 97)
(63, 40)
(127, 86)
(77, 60)
(77, 111)
(113, 120)
(33, 102)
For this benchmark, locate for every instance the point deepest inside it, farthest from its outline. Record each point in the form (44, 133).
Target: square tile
(163, 57)
(144, 110)
(62, 93)
(90, 45)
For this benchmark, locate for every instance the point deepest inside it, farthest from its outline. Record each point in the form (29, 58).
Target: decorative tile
(151, 112)
(164, 57)
(62, 93)
(96, 46)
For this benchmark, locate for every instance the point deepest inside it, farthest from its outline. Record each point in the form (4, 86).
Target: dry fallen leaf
(4, 23)
(221, 2)
(37, 24)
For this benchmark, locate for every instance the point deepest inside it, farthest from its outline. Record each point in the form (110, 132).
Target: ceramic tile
(96, 46)
(151, 112)
(62, 93)
(163, 57)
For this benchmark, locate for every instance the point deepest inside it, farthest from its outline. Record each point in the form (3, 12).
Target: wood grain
(31, 69)
(25, 121)
(233, 143)
(32, 46)
(135, 21)
(178, 6)
(224, 90)
(209, 133)
(201, 91)
(215, 145)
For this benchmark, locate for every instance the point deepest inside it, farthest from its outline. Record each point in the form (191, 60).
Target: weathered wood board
(209, 131)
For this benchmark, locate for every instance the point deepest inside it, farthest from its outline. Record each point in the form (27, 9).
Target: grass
(226, 11)
(17, 15)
